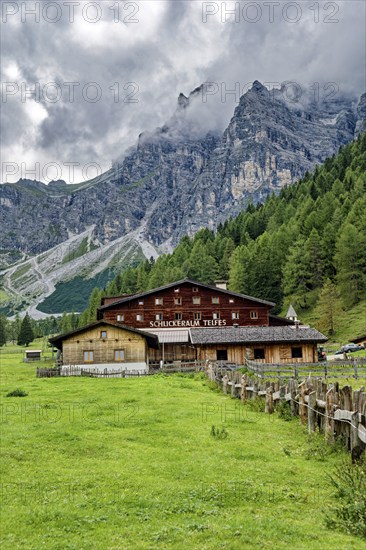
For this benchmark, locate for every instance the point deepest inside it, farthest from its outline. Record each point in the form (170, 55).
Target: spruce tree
(26, 335)
(328, 308)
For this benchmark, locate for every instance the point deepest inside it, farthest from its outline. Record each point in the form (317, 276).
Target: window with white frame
(178, 316)
(216, 315)
(158, 301)
(178, 301)
(215, 300)
(196, 300)
(120, 317)
(139, 317)
(197, 315)
(159, 317)
(235, 315)
(254, 314)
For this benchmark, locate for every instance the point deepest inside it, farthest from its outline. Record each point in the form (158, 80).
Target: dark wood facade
(185, 304)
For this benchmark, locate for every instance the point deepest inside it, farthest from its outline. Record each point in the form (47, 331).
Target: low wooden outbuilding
(273, 344)
(32, 355)
(104, 346)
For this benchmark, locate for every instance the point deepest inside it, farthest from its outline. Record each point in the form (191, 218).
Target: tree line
(305, 246)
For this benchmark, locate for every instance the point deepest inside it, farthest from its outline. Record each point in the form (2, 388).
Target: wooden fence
(337, 412)
(354, 368)
(167, 368)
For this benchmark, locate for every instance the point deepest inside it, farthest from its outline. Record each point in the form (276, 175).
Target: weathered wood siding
(174, 352)
(134, 346)
(273, 353)
(227, 305)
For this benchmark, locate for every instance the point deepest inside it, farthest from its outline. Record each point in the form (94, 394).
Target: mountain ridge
(179, 178)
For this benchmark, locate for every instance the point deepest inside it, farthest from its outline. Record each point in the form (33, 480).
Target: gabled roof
(192, 282)
(152, 340)
(276, 320)
(255, 335)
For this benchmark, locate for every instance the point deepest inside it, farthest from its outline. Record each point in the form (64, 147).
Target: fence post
(329, 411)
(233, 380)
(225, 380)
(355, 369)
(312, 412)
(354, 441)
(302, 407)
(293, 404)
(244, 387)
(269, 401)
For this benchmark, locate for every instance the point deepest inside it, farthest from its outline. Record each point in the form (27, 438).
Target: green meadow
(132, 464)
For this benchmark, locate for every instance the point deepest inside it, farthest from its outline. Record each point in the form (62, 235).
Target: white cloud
(170, 50)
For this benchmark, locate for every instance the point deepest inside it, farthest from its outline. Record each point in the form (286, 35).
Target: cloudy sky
(82, 79)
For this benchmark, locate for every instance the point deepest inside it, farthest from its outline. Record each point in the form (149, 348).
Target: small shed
(32, 355)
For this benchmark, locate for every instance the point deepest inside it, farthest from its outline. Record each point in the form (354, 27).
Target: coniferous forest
(304, 246)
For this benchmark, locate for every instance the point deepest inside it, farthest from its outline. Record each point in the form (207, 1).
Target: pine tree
(26, 335)
(328, 308)
(94, 303)
(65, 323)
(2, 330)
(239, 276)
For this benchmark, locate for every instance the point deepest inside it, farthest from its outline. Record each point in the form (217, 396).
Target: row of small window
(196, 300)
(197, 316)
(119, 355)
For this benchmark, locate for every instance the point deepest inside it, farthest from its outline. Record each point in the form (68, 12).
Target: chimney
(221, 284)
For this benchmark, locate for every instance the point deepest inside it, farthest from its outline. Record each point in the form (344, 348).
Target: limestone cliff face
(176, 180)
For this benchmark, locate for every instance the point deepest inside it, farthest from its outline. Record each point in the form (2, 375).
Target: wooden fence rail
(330, 369)
(192, 366)
(337, 412)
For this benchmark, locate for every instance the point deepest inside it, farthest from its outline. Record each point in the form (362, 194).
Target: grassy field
(131, 464)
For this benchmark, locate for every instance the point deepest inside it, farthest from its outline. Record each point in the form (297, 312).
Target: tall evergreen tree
(328, 308)
(26, 335)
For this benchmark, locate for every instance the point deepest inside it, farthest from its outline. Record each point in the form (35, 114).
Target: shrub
(284, 410)
(255, 405)
(349, 514)
(17, 393)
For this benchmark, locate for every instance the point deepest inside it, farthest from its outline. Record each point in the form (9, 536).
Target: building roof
(255, 335)
(182, 281)
(275, 320)
(291, 312)
(172, 336)
(152, 339)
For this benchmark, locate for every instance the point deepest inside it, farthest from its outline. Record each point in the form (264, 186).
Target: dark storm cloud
(169, 50)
